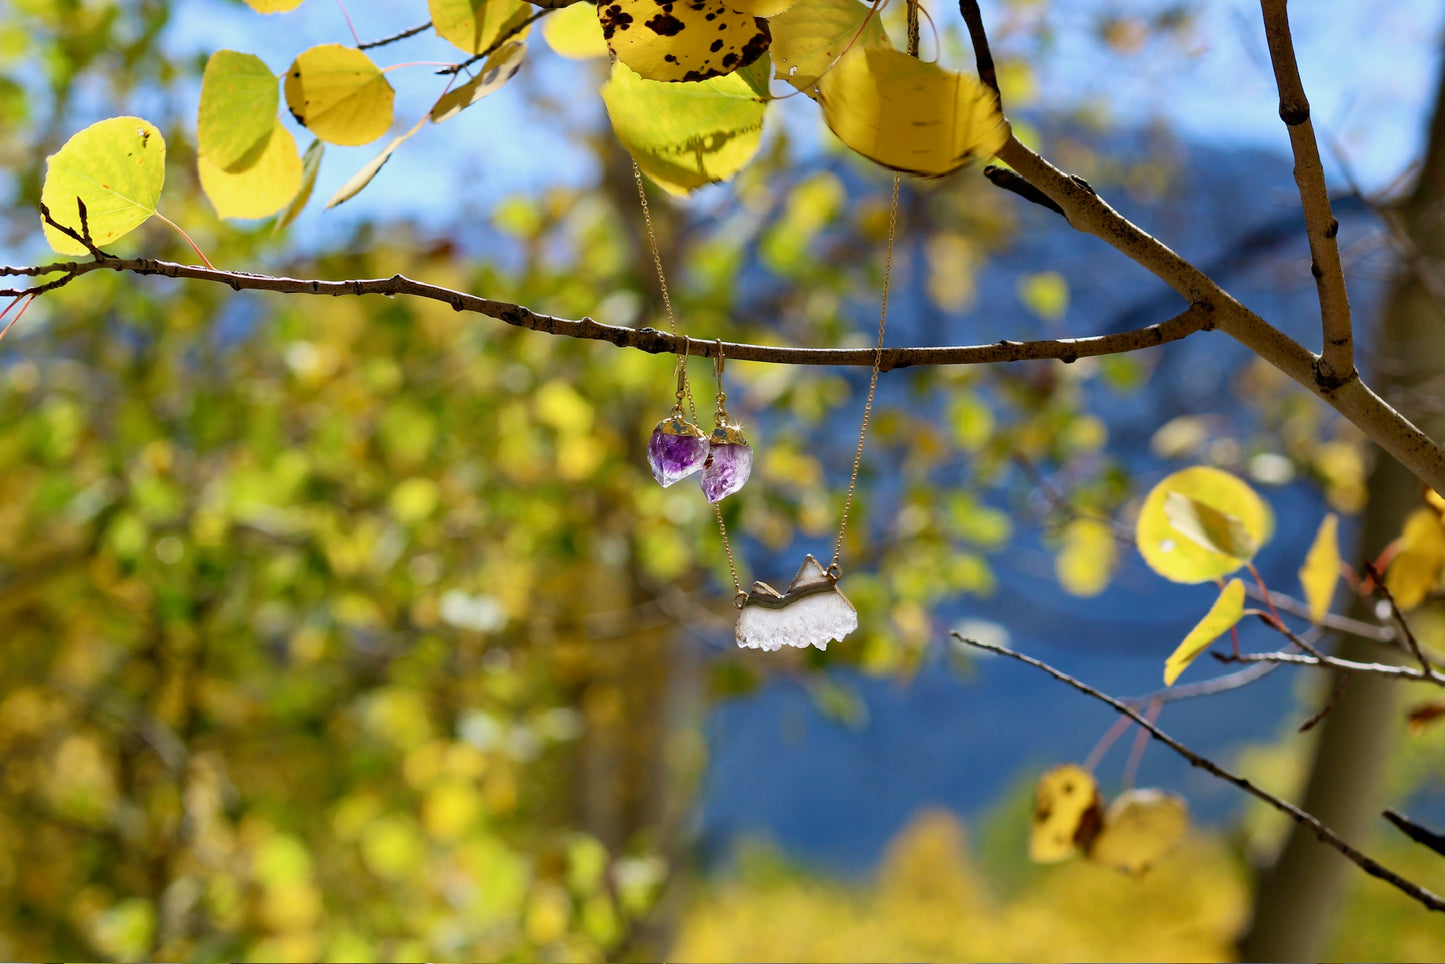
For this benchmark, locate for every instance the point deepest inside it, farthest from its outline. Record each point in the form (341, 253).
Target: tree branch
(1195, 318)
(1327, 836)
(1337, 362)
(1415, 832)
(1334, 662)
(399, 35)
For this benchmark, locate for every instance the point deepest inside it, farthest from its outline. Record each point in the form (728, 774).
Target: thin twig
(1009, 180)
(1398, 618)
(1415, 832)
(1337, 360)
(644, 339)
(1341, 683)
(1334, 662)
(402, 35)
(1327, 836)
(507, 35)
(1343, 624)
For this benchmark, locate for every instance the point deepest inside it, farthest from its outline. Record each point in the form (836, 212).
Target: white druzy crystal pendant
(813, 612)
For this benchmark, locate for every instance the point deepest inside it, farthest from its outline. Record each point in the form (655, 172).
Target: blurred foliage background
(354, 630)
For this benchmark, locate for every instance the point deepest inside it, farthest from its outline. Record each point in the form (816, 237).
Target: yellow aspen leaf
(117, 168)
(812, 34)
(363, 177)
(1087, 558)
(1209, 528)
(1234, 517)
(1226, 611)
(574, 32)
(687, 135)
(910, 115)
(273, 6)
(1321, 570)
(1140, 828)
(239, 100)
(260, 190)
(310, 165)
(1415, 570)
(1067, 812)
(339, 95)
(685, 40)
(474, 25)
(499, 68)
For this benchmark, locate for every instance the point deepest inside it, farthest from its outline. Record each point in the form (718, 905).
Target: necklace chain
(740, 597)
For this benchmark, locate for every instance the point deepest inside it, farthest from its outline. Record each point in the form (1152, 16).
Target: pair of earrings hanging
(679, 448)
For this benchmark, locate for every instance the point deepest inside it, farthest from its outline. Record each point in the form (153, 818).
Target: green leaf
(239, 100)
(339, 95)
(812, 34)
(1321, 571)
(1226, 611)
(1233, 517)
(500, 67)
(474, 25)
(687, 135)
(682, 41)
(117, 168)
(910, 115)
(574, 32)
(310, 165)
(260, 190)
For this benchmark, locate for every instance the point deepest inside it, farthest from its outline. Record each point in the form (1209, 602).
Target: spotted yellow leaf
(1198, 534)
(812, 34)
(1067, 811)
(1140, 828)
(1415, 570)
(681, 40)
(687, 135)
(1226, 611)
(910, 115)
(761, 8)
(261, 189)
(1321, 570)
(339, 95)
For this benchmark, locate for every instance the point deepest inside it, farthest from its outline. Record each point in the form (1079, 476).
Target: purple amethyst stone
(675, 451)
(727, 469)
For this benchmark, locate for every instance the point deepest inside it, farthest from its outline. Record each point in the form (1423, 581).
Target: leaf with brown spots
(682, 40)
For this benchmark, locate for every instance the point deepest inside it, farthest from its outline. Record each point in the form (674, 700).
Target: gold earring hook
(717, 363)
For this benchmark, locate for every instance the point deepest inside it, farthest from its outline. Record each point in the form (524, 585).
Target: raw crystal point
(813, 612)
(676, 450)
(729, 463)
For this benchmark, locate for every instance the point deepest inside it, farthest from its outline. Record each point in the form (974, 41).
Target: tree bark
(1297, 899)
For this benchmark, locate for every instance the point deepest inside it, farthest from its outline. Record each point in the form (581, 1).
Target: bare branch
(982, 56)
(1337, 361)
(1327, 836)
(1415, 832)
(1334, 662)
(400, 35)
(1010, 180)
(1196, 318)
(507, 35)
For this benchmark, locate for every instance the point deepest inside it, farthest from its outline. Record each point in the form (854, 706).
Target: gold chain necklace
(813, 611)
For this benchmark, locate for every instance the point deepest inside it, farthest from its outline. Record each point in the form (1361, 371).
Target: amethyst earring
(729, 456)
(677, 448)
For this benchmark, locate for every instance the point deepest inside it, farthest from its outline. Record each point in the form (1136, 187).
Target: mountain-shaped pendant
(813, 612)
